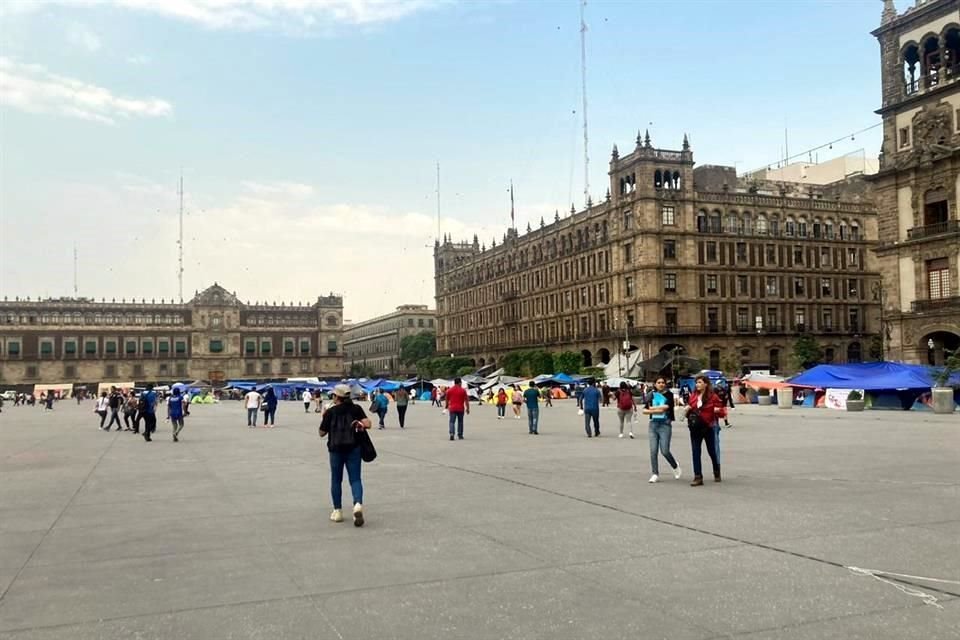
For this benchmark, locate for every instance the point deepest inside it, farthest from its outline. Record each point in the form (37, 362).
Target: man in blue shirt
(591, 409)
(532, 399)
(149, 412)
(175, 412)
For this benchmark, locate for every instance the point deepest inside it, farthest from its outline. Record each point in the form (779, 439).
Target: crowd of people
(141, 407)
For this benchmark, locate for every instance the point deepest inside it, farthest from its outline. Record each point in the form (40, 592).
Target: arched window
(911, 58)
(746, 224)
(790, 227)
(817, 228)
(657, 179)
(931, 63)
(762, 224)
(702, 221)
(716, 222)
(854, 353)
(854, 230)
(775, 225)
(676, 180)
(802, 227)
(828, 229)
(844, 233)
(732, 223)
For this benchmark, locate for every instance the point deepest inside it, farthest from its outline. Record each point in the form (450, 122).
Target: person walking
(252, 401)
(457, 404)
(501, 404)
(116, 401)
(658, 404)
(382, 403)
(270, 401)
(547, 394)
(130, 412)
(434, 397)
(101, 408)
(702, 413)
(401, 399)
(517, 398)
(532, 399)
(591, 409)
(605, 393)
(340, 425)
(626, 407)
(307, 398)
(149, 412)
(175, 412)
(726, 400)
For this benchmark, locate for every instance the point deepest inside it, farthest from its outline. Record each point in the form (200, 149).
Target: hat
(341, 391)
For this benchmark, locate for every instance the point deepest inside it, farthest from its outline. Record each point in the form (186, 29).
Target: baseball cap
(341, 391)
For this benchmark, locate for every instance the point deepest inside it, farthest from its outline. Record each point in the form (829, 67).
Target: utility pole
(75, 270)
(180, 242)
(438, 201)
(583, 80)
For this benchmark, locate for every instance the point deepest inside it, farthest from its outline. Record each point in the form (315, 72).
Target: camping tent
(871, 376)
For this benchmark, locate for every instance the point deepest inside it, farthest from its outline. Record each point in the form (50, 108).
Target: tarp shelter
(105, 386)
(615, 382)
(870, 376)
(61, 390)
(562, 378)
(760, 381)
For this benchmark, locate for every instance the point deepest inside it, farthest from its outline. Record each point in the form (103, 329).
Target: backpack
(342, 435)
(624, 401)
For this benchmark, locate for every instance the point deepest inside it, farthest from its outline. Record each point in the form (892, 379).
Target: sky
(308, 132)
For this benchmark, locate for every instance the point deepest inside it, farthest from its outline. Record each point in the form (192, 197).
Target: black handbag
(367, 451)
(695, 422)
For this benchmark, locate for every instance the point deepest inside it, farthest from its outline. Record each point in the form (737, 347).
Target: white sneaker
(620, 436)
(358, 515)
(631, 435)
(654, 478)
(677, 472)
(337, 515)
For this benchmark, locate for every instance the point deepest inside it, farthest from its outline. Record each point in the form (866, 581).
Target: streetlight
(878, 296)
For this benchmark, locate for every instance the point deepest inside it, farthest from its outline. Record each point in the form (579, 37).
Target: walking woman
(501, 404)
(130, 411)
(626, 407)
(517, 398)
(340, 425)
(659, 406)
(103, 403)
(401, 398)
(702, 420)
(270, 401)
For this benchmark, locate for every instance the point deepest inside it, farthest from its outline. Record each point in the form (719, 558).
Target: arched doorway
(939, 346)
(604, 355)
(482, 362)
(587, 358)
(854, 353)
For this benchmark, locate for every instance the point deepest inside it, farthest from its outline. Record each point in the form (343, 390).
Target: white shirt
(306, 395)
(103, 404)
(253, 400)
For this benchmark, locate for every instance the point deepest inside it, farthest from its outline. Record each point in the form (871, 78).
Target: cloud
(246, 15)
(141, 59)
(32, 88)
(81, 36)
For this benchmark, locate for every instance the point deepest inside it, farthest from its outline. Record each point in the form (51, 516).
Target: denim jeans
(381, 413)
(456, 418)
(401, 414)
(269, 415)
(696, 439)
(252, 417)
(716, 440)
(595, 416)
(351, 459)
(660, 432)
(533, 418)
(501, 410)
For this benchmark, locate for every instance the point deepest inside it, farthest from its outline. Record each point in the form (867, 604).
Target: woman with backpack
(626, 407)
(658, 404)
(501, 404)
(702, 411)
(340, 425)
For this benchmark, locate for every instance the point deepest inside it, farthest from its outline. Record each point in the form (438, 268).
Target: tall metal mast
(75, 270)
(180, 242)
(583, 78)
(438, 201)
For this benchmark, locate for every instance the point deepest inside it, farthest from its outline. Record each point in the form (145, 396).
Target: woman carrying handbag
(702, 411)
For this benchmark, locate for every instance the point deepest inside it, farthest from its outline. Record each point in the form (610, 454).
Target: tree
(415, 348)
(807, 352)
(568, 362)
(876, 348)
(441, 367)
(731, 363)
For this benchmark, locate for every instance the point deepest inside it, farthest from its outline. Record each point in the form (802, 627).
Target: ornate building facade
(213, 337)
(682, 259)
(918, 186)
(375, 344)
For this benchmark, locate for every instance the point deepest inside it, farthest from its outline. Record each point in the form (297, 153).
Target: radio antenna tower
(74, 269)
(180, 242)
(438, 201)
(583, 79)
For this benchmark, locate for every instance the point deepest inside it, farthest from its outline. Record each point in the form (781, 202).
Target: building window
(250, 346)
(771, 257)
(828, 229)
(138, 371)
(669, 249)
(715, 359)
(110, 346)
(827, 318)
(713, 324)
(773, 287)
(670, 319)
(743, 319)
(216, 346)
(627, 253)
(285, 367)
(110, 371)
(761, 225)
(790, 228)
(331, 321)
(147, 346)
(266, 346)
(829, 355)
(181, 368)
(853, 317)
(741, 252)
(265, 367)
(826, 287)
(773, 319)
(817, 229)
(70, 371)
(180, 346)
(802, 228)
(711, 251)
(331, 346)
(800, 320)
(32, 371)
(743, 285)
(250, 368)
(774, 360)
(419, 322)
(852, 257)
(163, 346)
(798, 287)
(853, 289)
(711, 283)
(904, 137)
(825, 256)
(304, 346)
(288, 347)
(46, 348)
(775, 226)
(670, 283)
(13, 348)
(628, 286)
(131, 346)
(667, 215)
(90, 347)
(429, 323)
(798, 256)
(627, 219)
(938, 278)
(304, 366)
(70, 347)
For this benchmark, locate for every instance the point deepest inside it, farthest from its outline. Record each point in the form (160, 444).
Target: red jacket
(710, 410)
(456, 399)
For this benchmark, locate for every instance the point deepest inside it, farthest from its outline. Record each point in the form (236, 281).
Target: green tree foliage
(876, 348)
(415, 348)
(807, 352)
(441, 367)
(569, 362)
(361, 370)
(527, 363)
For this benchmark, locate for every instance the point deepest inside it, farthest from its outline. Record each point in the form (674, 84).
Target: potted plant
(763, 397)
(855, 401)
(942, 393)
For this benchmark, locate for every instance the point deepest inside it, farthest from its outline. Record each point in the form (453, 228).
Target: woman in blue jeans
(340, 425)
(659, 406)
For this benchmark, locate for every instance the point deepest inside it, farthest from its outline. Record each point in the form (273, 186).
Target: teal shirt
(532, 397)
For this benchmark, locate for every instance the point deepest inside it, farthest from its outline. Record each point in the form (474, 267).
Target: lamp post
(878, 296)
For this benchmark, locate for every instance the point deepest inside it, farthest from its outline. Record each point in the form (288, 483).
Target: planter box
(785, 398)
(942, 400)
(855, 405)
(763, 401)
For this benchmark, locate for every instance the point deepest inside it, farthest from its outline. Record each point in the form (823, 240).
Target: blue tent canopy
(871, 376)
(562, 378)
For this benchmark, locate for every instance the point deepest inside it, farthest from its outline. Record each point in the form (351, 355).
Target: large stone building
(918, 186)
(374, 345)
(676, 258)
(214, 337)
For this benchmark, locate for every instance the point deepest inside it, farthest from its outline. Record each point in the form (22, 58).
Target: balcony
(919, 306)
(937, 229)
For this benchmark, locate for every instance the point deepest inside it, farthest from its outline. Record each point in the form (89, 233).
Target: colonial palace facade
(213, 337)
(918, 186)
(675, 258)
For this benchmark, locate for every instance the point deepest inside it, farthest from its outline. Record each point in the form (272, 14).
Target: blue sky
(308, 133)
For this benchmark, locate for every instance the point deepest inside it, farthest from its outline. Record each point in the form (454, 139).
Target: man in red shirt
(457, 403)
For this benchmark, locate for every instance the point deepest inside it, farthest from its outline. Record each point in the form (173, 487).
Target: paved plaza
(503, 535)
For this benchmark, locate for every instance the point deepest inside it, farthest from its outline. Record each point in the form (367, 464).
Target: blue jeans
(252, 417)
(716, 440)
(456, 418)
(660, 432)
(382, 413)
(351, 459)
(595, 416)
(696, 440)
(533, 418)
(269, 414)
(501, 410)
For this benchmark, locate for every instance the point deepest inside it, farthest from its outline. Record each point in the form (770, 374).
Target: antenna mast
(583, 79)
(438, 201)
(180, 242)
(74, 269)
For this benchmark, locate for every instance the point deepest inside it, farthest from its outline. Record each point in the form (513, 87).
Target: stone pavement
(502, 535)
